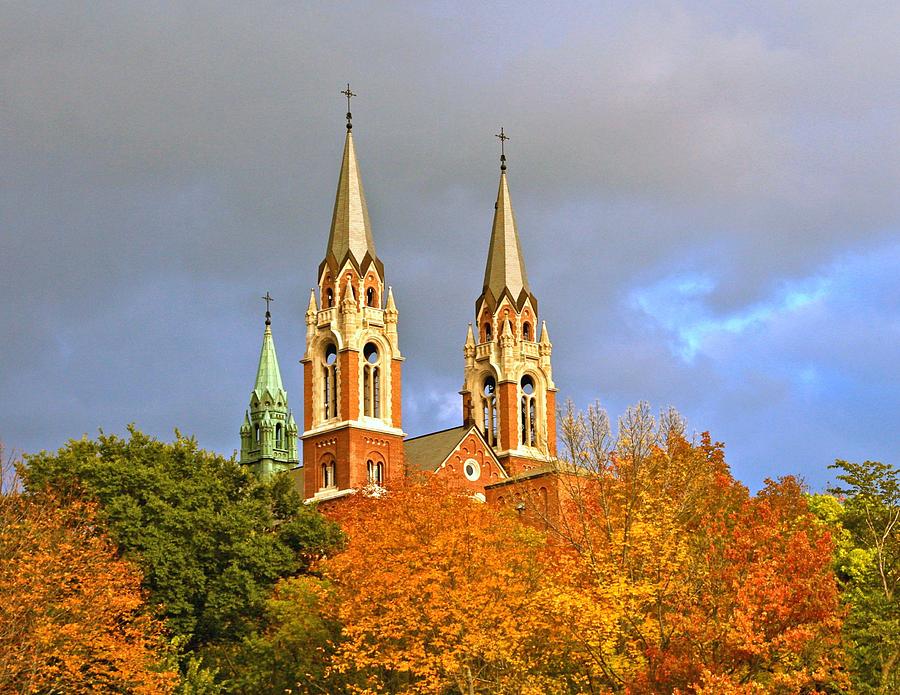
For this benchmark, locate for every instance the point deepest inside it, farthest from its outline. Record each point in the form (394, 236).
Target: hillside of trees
(133, 565)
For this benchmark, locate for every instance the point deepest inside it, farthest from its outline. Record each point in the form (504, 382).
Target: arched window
(328, 479)
(375, 472)
(329, 297)
(278, 443)
(528, 412)
(487, 332)
(526, 331)
(491, 418)
(329, 382)
(372, 381)
(257, 434)
(370, 297)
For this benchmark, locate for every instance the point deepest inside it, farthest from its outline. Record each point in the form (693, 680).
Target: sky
(706, 195)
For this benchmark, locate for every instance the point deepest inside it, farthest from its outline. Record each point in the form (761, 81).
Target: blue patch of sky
(677, 304)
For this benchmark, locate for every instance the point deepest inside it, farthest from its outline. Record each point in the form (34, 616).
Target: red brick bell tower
(508, 389)
(352, 367)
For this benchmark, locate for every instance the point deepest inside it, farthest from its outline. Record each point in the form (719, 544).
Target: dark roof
(428, 451)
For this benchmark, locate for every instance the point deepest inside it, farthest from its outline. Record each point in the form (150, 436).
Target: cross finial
(347, 93)
(503, 138)
(268, 299)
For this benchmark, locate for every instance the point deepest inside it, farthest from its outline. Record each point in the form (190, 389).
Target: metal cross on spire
(503, 138)
(268, 314)
(347, 93)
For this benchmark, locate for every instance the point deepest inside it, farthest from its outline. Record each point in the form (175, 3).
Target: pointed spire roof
(470, 336)
(391, 304)
(268, 375)
(505, 270)
(351, 232)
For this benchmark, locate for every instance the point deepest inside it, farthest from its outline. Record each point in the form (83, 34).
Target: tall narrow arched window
(491, 418)
(329, 297)
(329, 382)
(487, 332)
(371, 381)
(528, 412)
(526, 331)
(256, 433)
(375, 472)
(370, 297)
(328, 479)
(278, 436)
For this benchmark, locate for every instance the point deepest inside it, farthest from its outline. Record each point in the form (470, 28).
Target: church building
(504, 450)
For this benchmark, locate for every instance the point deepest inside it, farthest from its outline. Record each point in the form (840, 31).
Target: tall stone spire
(269, 432)
(505, 269)
(351, 231)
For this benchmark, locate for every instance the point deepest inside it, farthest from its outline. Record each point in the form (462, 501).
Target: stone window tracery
(375, 472)
(491, 416)
(528, 412)
(328, 479)
(372, 381)
(329, 382)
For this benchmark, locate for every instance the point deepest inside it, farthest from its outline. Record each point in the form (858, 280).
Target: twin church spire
(350, 238)
(352, 425)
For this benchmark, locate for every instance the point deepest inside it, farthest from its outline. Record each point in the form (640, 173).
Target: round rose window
(472, 469)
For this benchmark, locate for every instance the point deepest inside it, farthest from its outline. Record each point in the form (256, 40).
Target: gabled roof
(428, 451)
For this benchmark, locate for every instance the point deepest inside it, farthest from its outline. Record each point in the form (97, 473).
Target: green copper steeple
(269, 432)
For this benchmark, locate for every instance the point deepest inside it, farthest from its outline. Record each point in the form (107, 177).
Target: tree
(866, 514)
(437, 592)
(211, 539)
(292, 654)
(688, 579)
(73, 617)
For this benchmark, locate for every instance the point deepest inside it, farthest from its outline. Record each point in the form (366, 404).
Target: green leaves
(211, 539)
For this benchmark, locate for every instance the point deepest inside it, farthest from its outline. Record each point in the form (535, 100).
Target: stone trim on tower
(508, 390)
(352, 365)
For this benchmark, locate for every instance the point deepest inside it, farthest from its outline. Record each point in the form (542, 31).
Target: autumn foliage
(684, 581)
(73, 617)
(437, 592)
(662, 574)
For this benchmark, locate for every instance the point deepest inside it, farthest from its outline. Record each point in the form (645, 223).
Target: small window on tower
(370, 296)
(490, 386)
(329, 297)
(487, 332)
(330, 353)
(526, 331)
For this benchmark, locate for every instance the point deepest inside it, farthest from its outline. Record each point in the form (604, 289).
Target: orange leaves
(438, 590)
(72, 617)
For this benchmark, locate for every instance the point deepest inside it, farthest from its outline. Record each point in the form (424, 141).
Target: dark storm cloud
(164, 164)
